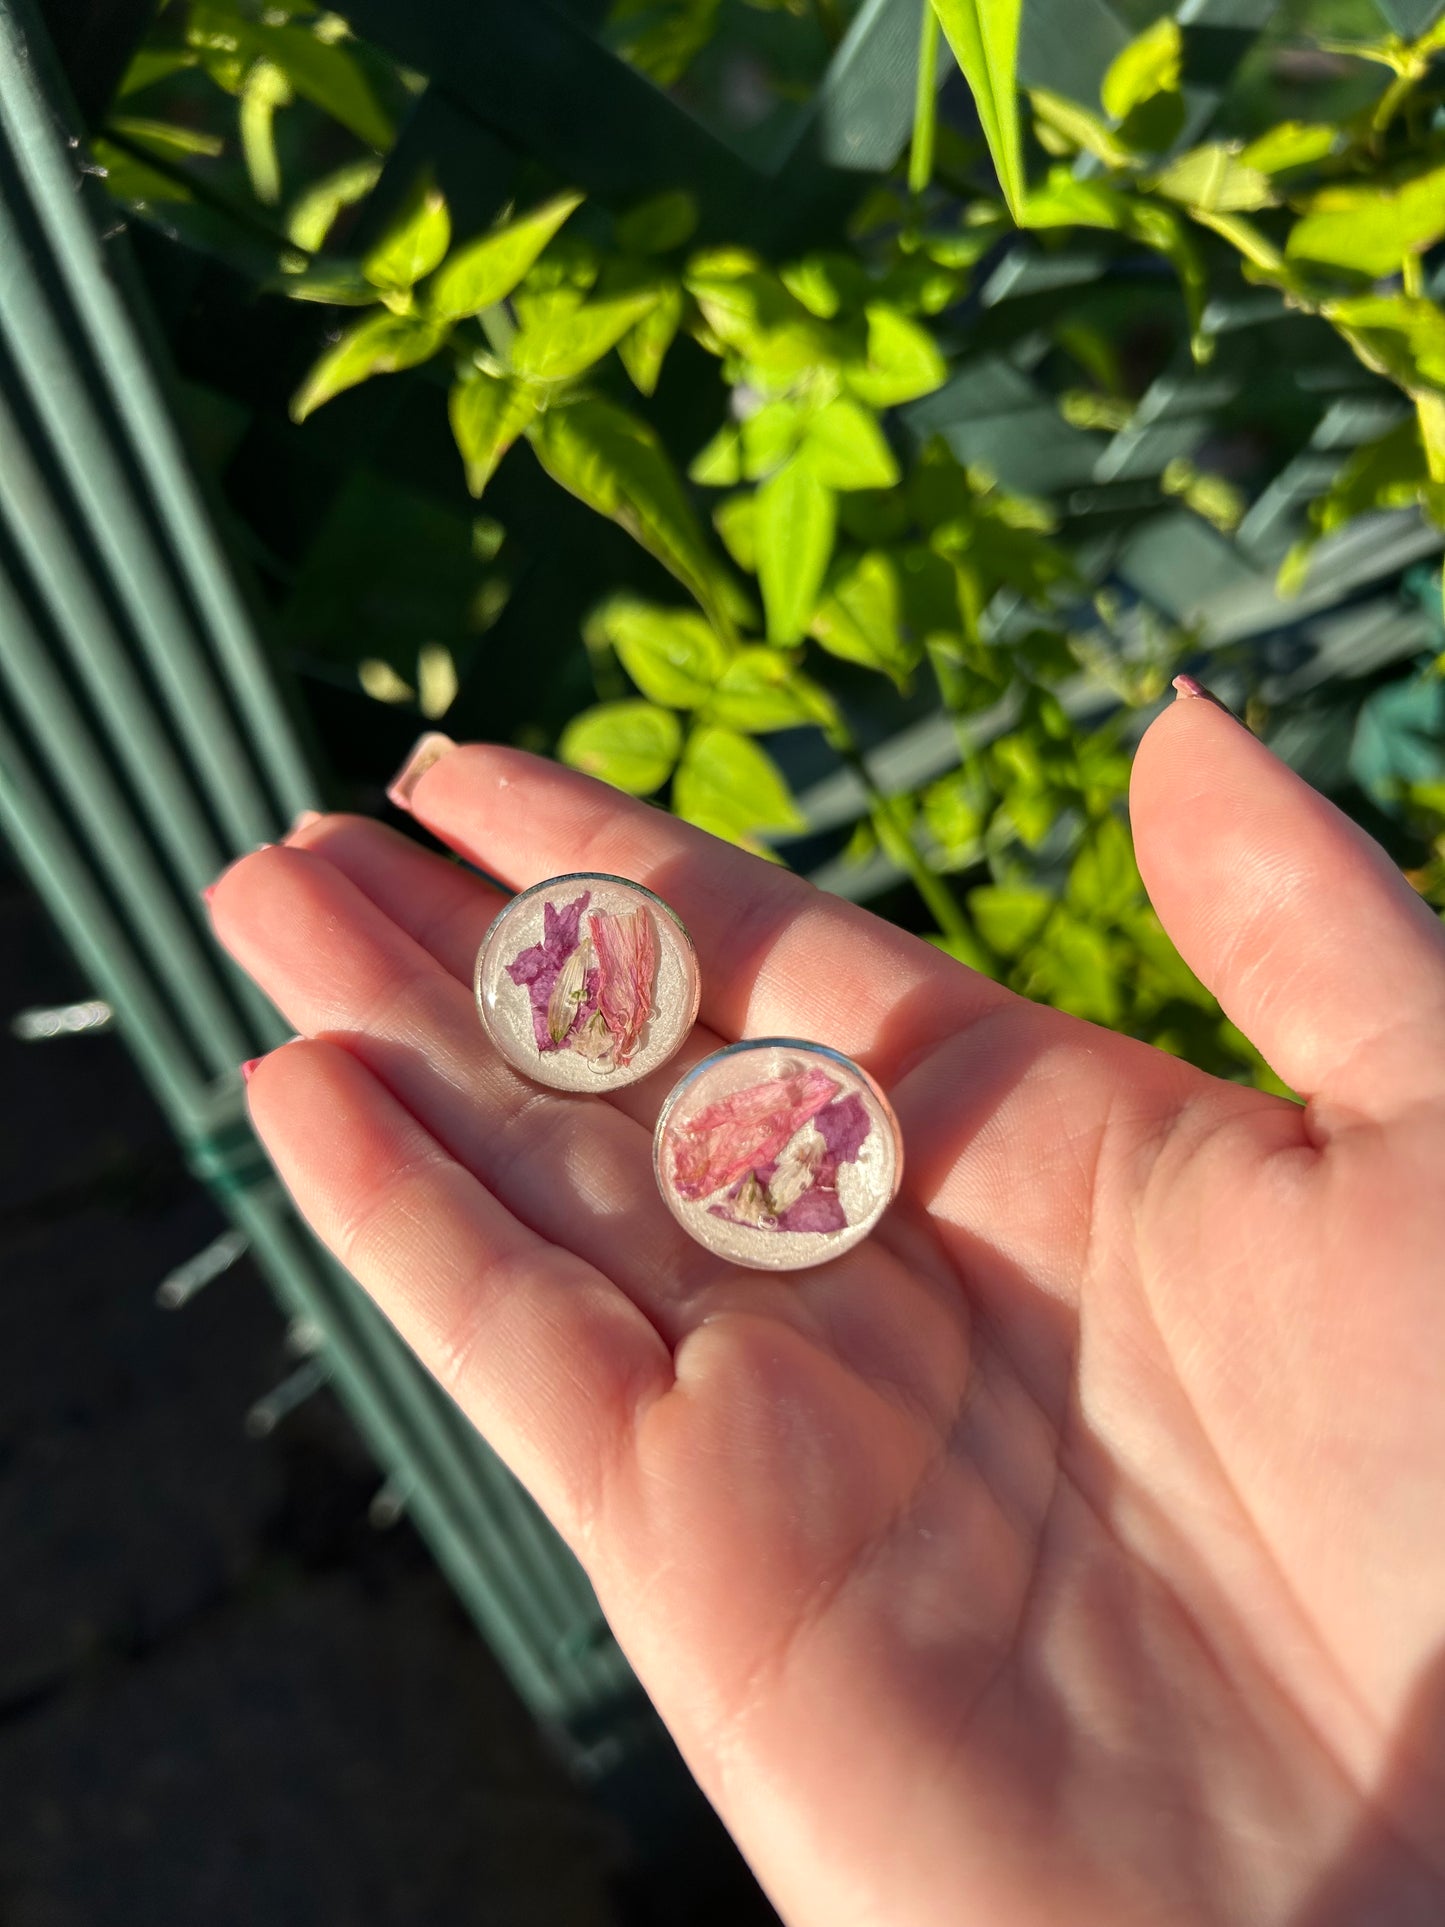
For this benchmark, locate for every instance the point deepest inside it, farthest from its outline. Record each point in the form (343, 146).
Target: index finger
(779, 957)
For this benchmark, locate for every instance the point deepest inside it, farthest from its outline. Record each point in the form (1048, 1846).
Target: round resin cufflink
(778, 1154)
(587, 983)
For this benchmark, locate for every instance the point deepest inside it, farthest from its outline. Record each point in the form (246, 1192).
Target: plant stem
(925, 104)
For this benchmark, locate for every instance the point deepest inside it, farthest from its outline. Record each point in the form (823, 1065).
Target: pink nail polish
(248, 1069)
(1191, 690)
(425, 751)
(209, 892)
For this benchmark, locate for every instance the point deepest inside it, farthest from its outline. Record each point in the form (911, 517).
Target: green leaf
(632, 745)
(1152, 64)
(1008, 918)
(1079, 128)
(1104, 882)
(824, 283)
(1294, 143)
(314, 212)
(1067, 201)
(847, 448)
(658, 225)
(673, 655)
(769, 437)
(381, 345)
(644, 348)
(1404, 336)
(984, 36)
(903, 361)
(861, 617)
(1388, 473)
(487, 415)
(564, 341)
(760, 690)
(616, 465)
(1213, 178)
(165, 135)
(1369, 227)
(956, 810)
(1078, 973)
(720, 463)
(485, 271)
(265, 89)
(415, 241)
(727, 784)
(324, 70)
(747, 308)
(796, 520)
(736, 521)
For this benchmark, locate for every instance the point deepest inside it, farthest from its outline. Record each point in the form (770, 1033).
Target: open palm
(1072, 1550)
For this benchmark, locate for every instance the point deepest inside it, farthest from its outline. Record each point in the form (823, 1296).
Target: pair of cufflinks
(774, 1153)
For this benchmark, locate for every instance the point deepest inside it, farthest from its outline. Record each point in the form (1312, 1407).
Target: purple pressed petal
(845, 1128)
(819, 1209)
(537, 968)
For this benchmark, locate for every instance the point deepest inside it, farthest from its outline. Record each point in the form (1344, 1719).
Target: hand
(1074, 1550)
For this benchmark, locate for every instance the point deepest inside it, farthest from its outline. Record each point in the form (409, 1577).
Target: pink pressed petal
(626, 946)
(743, 1132)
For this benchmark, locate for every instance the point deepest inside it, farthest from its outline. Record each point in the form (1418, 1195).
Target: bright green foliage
(1373, 228)
(891, 576)
(633, 745)
(673, 655)
(487, 413)
(1151, 65)
(727, 784)
(796, 519)
(486, 271)
(984, 35)
(380, 345)
(616, 465)
(413, 244)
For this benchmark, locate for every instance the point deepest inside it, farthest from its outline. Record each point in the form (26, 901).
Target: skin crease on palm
(1070, 1552)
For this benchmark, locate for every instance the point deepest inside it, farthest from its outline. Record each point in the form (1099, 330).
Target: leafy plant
(830, 557)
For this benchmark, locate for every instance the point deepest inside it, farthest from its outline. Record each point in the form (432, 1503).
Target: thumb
(1298, 922)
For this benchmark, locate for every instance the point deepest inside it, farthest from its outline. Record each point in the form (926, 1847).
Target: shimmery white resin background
(866, 1187)
(507, 1010)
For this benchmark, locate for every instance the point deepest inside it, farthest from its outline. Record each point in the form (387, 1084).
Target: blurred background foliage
(862, 519)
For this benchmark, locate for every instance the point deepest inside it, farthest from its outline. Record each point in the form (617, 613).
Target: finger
(778, 957)
(440, 904)
(549, 1359)
(1298, 922)
(574, 1169)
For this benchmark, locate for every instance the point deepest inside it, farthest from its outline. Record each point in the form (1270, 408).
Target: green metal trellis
(143, 744)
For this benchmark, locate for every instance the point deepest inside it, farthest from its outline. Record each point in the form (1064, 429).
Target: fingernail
(303, 820)
(425, 751)
(1189, 688)
(209, 892)
(248, 1069)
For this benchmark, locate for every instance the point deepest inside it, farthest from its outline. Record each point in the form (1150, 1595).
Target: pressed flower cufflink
(778, 1154)
(587, 983)
(774, 1153)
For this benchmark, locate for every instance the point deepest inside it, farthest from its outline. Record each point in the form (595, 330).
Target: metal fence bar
(29, 120)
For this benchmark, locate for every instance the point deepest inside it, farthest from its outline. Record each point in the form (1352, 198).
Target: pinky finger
(545, 1356)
